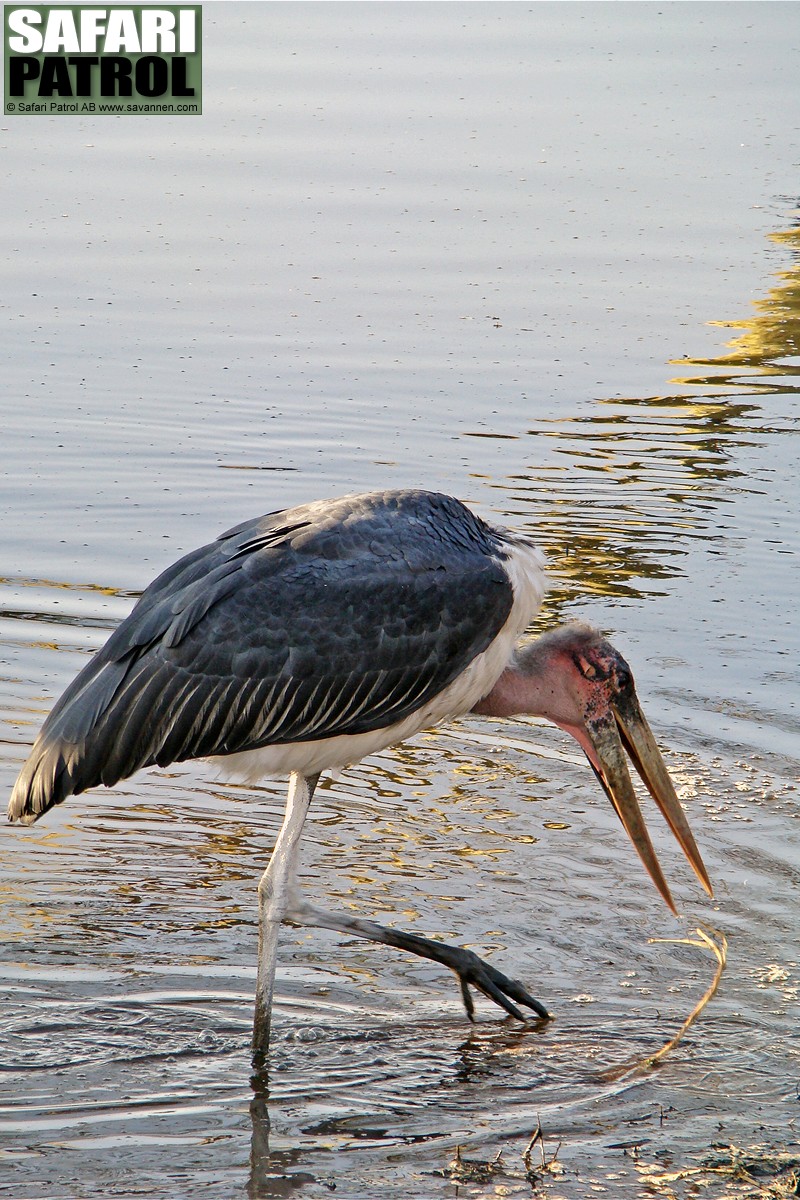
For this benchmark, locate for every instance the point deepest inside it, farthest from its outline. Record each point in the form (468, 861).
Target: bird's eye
(587, 669)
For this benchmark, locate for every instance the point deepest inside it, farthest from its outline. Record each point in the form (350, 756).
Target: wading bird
(306, 639)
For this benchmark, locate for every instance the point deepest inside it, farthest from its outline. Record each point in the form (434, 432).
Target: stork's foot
(493, 983)
(471, 970)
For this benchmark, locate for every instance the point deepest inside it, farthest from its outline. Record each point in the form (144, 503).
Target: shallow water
(547, 260)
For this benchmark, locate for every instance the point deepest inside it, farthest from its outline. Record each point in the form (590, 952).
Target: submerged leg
(471, 970)
(274, 892)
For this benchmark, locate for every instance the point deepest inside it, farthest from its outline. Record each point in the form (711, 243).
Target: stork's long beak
(622, 726)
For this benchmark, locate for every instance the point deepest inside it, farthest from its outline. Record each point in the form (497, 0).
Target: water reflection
(274, 1174)
(771, 334)
(618, 495)
(614, 496)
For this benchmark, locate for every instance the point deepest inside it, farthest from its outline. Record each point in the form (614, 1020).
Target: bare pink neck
(542, 680)
(515, 692)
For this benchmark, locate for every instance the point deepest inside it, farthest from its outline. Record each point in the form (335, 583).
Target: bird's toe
(472, 971)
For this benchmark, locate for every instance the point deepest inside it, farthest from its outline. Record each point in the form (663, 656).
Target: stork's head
(577, 680)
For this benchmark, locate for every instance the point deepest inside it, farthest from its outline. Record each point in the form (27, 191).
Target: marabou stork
(308, 638)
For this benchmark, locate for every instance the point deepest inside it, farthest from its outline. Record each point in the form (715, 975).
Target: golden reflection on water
(618, 494)
(772, 333)
(615, 496)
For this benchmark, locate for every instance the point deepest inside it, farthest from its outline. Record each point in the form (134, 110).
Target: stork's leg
(274, 891)
(471, 970)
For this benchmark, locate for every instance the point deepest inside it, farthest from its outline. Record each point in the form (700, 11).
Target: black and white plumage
(308, 638)
(288, 639)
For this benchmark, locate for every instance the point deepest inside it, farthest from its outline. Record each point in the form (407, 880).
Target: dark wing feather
(334, 618)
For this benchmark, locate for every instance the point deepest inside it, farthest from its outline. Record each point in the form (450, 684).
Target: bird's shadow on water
(271, 1174)
(429, 1106)
(472, 1062)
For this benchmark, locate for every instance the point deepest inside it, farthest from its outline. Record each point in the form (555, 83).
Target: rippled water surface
(546, 259)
